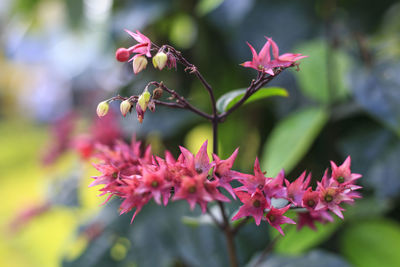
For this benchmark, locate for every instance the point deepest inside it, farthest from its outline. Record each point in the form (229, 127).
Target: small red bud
(122, 54)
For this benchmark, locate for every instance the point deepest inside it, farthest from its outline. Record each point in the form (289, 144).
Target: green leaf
(297, 242)
(291, 139)
(183, 32)
(372, 243)
(315, 70)
(206, 6)
(229, 99)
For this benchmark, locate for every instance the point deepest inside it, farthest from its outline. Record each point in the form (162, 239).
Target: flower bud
(160, 60)
(125, 107)
(152, 106)
(171, 62)
(122, 54)
(157, 93)
(139, 64)
(102, 109)
(140, 112)
(144, 99)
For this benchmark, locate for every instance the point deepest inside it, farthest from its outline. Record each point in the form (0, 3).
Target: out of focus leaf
(229, 99)
(291, 139)
(322, 67)
(315, 258)
(297, 242)
(372, 243)
(206, 6)
(197, 136)
(183, 31)
(377, 91)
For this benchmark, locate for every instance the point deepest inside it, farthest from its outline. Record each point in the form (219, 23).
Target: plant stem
(229, 235)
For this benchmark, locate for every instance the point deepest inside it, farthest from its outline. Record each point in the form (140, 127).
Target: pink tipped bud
(171, 62)
(139, 64)
(160, 60)
(125, 107)
(102, 109)
(140, 112)
(122, 54)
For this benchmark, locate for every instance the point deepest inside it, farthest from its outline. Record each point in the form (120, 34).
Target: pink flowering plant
(137, 176)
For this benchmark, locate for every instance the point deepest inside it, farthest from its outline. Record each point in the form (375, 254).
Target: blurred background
(57, 63)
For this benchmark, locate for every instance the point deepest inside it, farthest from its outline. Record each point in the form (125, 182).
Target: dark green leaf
(229, 99)
(290, 140)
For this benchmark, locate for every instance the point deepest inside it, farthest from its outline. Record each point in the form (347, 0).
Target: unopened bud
(157, 93)
(144, 99)
(102, 109)
(122, 54)
(125, 107)
(139, 64)
(171, 62)
(152, 106)
(160, 60)
(140, 112)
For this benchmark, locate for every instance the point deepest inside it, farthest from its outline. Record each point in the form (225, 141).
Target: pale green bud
(139, 64)
(160, 60)
(125, 107)
(102, 109)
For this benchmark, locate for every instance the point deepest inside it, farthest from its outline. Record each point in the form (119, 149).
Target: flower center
(115, 175)
(154, 184)
(256, 203)
(260, 186)
(340, 179)
(272, 218)
(311, 203)
(260, 67)
(192, 189)
(328, 198)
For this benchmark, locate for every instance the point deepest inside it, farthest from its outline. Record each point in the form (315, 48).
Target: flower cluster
(141, 51)
(138, 177)
(257, 193)
(263, 62)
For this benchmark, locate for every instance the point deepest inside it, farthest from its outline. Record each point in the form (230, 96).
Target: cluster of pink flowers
(258, 191)
(138, 177)
(262, 62)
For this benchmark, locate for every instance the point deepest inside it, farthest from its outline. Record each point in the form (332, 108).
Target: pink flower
(142, 48)
(253, 205)
(252, 182)
(223, 173)
(262, 61)
(342, 174)
(330, 198)
(192, 189)
(310, 217)
(153, 182)
(296, 189)
(199, 163)
(275, 218)
(284, 60)
(274, 187)
(144, 44)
